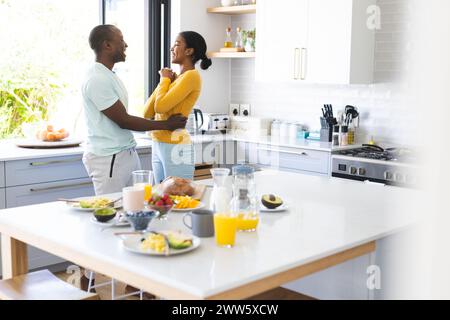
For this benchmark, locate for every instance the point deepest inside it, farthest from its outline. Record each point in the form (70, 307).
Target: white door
(281, 34)
(329, 41)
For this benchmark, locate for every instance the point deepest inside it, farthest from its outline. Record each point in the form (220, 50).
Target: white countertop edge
(11, 152)
(317, 257)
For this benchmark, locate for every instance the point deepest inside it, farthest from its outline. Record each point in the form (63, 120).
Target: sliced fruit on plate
(271, 201)
(179, 241)
(185, 202)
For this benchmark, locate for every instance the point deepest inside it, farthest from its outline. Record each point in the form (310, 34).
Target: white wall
(192, 15)
(385, 110)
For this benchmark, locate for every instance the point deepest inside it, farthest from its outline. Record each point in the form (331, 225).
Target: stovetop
(367, 153)
(380, 154)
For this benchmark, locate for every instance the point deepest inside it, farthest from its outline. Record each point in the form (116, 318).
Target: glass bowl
(140, 219)
(163, 210)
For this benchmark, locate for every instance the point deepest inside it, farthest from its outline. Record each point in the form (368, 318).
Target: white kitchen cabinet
(241, 155)
(2, 174)
(289, 159)
(281, 35)
(209, 153)
(24, 172)
(330, 44)
(48, 192)
(145, 155)
(2, 199)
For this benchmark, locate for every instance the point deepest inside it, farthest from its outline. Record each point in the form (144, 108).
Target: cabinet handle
(303, 154)
(297, 63)
(61, 187)
(304, 57)
(48, 163)
(144, 154)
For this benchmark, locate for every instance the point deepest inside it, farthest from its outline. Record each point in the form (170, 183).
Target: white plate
(133, 243)
(200, 206)
(34, 143)
(76, 206)
(281, 208)
(113, 223)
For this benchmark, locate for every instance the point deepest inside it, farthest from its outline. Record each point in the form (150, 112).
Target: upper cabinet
(281, 33)
(315, 41)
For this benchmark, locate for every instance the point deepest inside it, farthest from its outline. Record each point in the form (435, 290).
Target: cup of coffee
(201, 223)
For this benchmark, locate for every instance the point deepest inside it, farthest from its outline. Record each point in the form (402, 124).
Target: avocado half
(178, 241)
(271, 201)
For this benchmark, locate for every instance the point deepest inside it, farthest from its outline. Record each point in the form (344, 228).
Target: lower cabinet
(288, 159)
(145, 155)
(48, 192)
(2, 174)
(2, 199)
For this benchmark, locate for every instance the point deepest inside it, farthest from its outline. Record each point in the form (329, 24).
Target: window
(48, 52)
(129, 17)
(40, 70)
(145, 25)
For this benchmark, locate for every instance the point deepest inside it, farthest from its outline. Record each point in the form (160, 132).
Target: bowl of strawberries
(161, 203)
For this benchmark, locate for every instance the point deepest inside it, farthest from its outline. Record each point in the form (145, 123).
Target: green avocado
(271, 201)
(86, 204)
(178, 241)
(105, 212)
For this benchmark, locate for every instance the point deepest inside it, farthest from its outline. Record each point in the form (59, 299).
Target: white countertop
(291, 143)
(326, 216)
(10, 152)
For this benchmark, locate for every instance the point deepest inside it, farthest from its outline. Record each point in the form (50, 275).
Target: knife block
(326, 132)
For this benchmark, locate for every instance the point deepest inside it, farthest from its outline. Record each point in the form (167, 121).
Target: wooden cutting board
(36, 144)
(200, 190)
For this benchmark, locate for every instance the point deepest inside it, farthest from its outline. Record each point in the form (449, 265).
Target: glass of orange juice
(144, 179)
(248, 221)
(225, 226)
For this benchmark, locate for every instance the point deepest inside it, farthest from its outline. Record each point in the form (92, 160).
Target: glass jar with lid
(275, 129)
(244, 204)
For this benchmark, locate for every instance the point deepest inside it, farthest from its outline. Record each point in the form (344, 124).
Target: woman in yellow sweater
(173, 152)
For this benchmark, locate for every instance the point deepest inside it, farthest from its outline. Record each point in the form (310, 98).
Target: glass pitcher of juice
(221, 193)
(244, 204)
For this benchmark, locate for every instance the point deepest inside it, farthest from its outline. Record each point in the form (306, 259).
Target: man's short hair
(99, 35)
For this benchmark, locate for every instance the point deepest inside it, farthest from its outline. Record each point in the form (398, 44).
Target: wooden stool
(41, 285)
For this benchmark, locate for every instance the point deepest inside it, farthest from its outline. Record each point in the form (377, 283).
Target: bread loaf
(178, 187)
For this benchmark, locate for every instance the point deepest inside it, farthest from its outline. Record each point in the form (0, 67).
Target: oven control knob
(362, 172)
(388, 176)
(353, 170)
(399, 177)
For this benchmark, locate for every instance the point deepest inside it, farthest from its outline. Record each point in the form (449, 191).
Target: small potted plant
(249, 40)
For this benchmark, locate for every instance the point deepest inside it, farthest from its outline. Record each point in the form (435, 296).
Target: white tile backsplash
(383, 105)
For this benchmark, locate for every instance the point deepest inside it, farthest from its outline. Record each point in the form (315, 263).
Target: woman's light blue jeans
(173, 160)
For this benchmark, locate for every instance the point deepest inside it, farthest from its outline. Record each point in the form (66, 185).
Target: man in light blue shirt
(110, 157)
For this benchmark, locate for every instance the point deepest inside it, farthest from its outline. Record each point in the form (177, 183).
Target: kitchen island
(321, 229)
